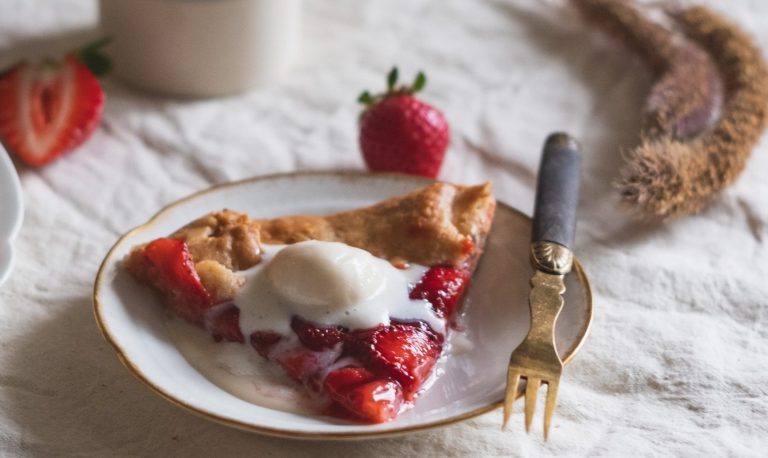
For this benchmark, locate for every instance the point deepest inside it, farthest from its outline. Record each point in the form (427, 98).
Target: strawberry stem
(419, 82)
(365, 98)
(392, 79)
(93, 57)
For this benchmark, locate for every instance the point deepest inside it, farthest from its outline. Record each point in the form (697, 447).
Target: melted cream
(328, 283)
(239, 370)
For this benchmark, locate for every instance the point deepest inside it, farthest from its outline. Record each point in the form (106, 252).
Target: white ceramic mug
(201, 47)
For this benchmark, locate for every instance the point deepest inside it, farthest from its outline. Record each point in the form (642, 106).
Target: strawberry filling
(173, 272)
(443, 287)
(224, 323)
(263, 341)
(388, 363)
(394, 360)
(404, 352)
(304, 365)
(359, 394)
(316, 337)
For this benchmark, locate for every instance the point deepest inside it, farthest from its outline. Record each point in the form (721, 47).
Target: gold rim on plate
(569, 354)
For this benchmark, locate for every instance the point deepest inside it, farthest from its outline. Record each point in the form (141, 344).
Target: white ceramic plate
(132, 318)
(11, 213)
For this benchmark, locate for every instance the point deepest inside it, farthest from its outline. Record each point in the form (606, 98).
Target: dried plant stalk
(684, 157)
(668, 176)
(687, 93)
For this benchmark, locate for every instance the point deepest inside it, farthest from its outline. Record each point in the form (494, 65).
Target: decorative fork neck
(546, 301)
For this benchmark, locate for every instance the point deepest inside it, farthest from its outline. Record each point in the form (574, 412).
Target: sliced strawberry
(49, 108)
(406, 352)
(316, 337)
(223, 323)
(176, 275)
(343, 379)
(306, 365)
(299, 363)
(364, 396)
(443, 288)
(263, 341)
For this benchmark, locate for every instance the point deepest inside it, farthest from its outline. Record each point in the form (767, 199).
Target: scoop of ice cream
(332, 284)
(327, 275)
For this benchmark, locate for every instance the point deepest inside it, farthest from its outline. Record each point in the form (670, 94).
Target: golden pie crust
(227, 237)
(440, 224)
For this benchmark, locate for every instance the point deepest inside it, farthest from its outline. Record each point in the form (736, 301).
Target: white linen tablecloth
(677, 361)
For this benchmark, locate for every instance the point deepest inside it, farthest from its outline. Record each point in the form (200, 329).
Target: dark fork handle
(557, 191)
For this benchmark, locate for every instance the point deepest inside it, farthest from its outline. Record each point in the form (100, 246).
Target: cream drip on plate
(239, 370)
(328, 283)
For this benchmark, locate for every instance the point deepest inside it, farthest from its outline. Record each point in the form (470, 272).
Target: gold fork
(554, 223)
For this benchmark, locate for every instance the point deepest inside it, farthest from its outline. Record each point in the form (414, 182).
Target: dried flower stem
(687, 93)
(684, 158)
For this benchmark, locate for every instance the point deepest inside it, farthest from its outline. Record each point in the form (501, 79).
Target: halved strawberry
(49, 108)
(443, 288)
(363, 395)
(316, 337)
(176, 276)
(223, 323)
(403, 351)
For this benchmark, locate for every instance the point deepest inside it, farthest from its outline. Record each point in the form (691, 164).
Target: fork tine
(513, 379)
(530, 400)
(549, 408)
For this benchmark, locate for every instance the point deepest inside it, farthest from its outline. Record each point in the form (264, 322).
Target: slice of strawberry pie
(356, 306)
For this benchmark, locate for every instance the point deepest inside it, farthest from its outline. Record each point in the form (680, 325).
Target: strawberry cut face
(406, 352)
(48, 109)
(359, 393)
(443, 287)
(172, 264)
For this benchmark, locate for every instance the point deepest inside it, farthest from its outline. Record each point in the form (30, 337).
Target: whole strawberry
(51, 107)
(400, 133)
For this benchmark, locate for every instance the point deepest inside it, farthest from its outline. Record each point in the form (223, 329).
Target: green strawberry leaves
(391, 79)
(418, 84)
(365, 98)
(93, 57)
